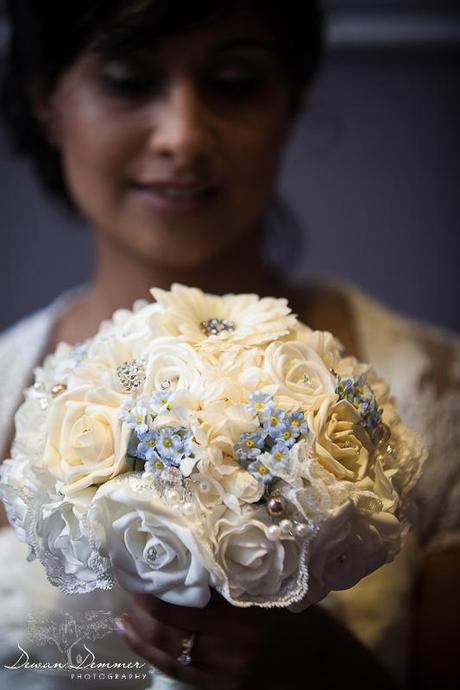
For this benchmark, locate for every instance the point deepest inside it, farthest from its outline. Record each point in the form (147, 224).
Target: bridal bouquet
(203, 442)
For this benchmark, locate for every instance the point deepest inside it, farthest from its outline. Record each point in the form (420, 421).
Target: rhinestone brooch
(215, 326)
(131, 375)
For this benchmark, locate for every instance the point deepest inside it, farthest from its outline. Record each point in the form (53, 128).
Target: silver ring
(185, 657)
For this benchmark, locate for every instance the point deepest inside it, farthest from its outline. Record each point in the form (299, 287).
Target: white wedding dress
(422, 365)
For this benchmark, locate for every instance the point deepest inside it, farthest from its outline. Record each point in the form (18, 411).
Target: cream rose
(254, 565)
(323, 343)
(300, 374)
(87, 443)
(342, 445)
(152, 546)
(172, 360)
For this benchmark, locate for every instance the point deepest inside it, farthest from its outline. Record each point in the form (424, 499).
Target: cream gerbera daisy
(215, 323)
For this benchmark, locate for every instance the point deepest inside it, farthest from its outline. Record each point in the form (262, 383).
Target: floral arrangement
(203, 442)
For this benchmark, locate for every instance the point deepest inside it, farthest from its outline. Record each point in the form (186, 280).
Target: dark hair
(46, 37)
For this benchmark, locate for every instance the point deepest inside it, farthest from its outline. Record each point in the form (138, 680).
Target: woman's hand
(238, 649)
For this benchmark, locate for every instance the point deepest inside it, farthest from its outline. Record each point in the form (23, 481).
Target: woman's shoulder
(31, 330)
(418, 353)
(22, 346)
(421, 362)
(26, 326)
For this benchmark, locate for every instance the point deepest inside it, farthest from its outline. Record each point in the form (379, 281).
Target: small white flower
(135, 414)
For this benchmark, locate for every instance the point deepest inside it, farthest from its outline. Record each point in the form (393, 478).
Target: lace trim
(21, 348)
(390, 342)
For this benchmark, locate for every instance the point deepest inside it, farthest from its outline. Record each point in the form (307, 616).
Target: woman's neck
(239, 269)
(121, 278)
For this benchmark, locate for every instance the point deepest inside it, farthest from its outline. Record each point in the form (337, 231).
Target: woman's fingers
(228, 650)
(208, 620)
(192, 673)
(164, 637)
(182, 617)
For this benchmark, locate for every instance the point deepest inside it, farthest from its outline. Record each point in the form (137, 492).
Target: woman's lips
(176, 198)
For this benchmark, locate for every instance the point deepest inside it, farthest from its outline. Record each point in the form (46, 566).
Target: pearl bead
(275, 506)
(274, 532)
(300, 529)
(188, 508)
(286, 526)
(172, 496)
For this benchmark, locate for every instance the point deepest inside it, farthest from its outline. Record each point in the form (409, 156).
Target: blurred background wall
(373, 171)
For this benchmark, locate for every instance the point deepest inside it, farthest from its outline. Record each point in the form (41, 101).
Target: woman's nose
(182, 126)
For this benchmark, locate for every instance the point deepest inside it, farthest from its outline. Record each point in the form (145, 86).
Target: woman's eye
(126, 82)
(237, 82)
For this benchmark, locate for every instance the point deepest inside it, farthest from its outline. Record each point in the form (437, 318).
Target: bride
(164, 125)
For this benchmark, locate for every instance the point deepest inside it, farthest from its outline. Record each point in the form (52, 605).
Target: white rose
(16, 510)
(51, 524)
(253, 564)
(299, 373)
(349, 546)
(30, 425)
(153, 548)
(87, 442)
(20, 483)
(64, 547)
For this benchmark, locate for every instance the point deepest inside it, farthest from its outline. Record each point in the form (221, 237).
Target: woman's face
(173, 154)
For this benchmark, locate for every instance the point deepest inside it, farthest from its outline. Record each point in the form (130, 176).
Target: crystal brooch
(215, 326)
(131, 375)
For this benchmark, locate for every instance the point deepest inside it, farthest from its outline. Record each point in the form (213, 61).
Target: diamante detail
(151, 555)
(184, 659)
(131, 375)
(215, 326)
